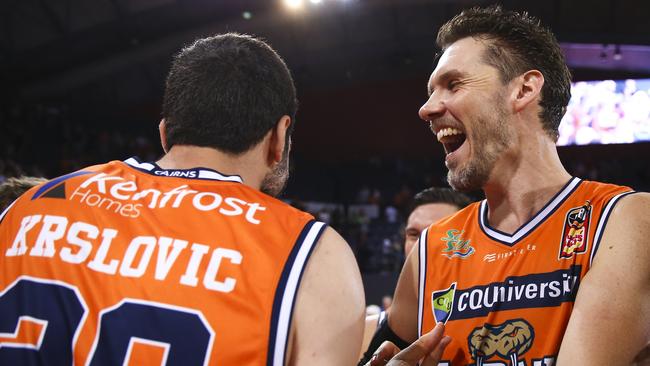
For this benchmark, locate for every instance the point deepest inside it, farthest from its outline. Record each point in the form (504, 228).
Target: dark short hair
(14, 187)
(439, 195)
(227, 92)
(518, 43)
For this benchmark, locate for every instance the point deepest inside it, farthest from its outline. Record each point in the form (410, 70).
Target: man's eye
(452, 85)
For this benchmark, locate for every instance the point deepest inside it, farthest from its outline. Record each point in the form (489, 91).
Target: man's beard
(491, 136)
(276, 180)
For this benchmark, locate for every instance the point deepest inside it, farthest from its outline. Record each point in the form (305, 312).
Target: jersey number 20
(40, 321)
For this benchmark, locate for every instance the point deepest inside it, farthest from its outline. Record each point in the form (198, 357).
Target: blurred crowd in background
(607, 112)
(364, 200)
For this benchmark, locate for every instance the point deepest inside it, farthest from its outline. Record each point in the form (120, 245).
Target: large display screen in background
(607, 112)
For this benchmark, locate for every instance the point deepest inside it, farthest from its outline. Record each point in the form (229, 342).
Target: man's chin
(274, 187)
(272, 191)
(463, 181)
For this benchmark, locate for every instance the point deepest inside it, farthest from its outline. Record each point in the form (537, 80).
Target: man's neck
(187, 157)
(518, 190)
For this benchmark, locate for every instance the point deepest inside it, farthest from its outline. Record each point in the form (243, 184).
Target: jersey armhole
(285, 294)
(6, 210)
(422, 270)
(602, 222)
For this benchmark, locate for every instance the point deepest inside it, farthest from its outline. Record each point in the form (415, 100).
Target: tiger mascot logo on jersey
(575, 232)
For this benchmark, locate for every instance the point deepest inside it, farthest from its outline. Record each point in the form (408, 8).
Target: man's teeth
(448, 132)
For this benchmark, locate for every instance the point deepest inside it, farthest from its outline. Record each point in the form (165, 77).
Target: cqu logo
(507, 340)
(442, 303)
(576, 231)
(456, 246)
(516, 292)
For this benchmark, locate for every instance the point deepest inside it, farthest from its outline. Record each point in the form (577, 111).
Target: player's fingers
(434, 357)
(383, 354)
(420, 348)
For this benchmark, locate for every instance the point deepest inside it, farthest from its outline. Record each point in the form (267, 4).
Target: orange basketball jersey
(506, 299)
(129, 264)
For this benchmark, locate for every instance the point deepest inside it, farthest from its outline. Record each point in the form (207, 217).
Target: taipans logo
(575, 232)
(442, 303)
(456, 246)
(507, 340)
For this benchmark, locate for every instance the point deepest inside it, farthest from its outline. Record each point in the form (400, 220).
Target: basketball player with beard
(188, 260)
(496, 273)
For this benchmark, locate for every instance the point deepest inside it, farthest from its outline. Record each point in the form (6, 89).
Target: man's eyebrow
(442, 78)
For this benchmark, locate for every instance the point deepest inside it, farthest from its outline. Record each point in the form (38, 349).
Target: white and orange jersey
(505, 298)
(129, 264)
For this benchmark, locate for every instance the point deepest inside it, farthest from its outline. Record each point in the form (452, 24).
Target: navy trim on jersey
(6, 210)
(54, 182)
(286, 292)
(195, 173)
(547, 211)
(602, 222)
(422, 277)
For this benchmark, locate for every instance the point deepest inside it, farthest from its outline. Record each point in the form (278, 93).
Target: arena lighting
(293, 4)
(316, 1)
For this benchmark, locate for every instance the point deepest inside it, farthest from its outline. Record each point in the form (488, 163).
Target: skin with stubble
(275, 181)
(481, 120)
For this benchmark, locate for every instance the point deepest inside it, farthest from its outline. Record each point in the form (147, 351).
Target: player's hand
(427, 348)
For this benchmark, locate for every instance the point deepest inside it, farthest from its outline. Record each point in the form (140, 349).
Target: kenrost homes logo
(125, 198)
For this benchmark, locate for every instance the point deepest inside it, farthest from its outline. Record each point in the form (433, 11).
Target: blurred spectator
(325, 216)
(386, 302)
(391, 214)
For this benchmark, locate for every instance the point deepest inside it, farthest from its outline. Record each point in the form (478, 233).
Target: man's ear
(528, 87)
(279, 139)
(163, 135)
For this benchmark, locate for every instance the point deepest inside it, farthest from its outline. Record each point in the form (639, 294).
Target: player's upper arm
(610, 322)
(403, 316)
(330, 308)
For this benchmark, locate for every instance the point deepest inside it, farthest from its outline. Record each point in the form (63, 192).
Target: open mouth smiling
(451, 139)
